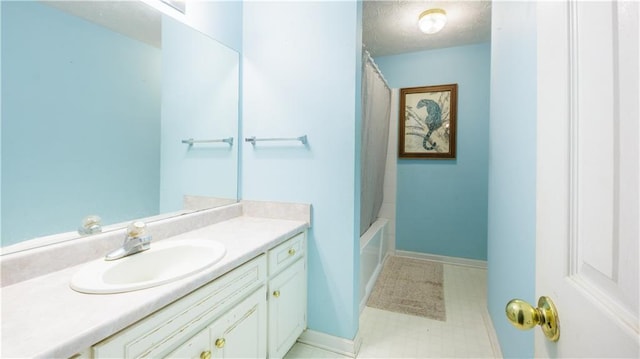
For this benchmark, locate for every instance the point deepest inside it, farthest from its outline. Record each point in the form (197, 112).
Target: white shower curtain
(376, 104)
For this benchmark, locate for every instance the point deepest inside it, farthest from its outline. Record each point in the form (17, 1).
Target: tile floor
(465, 333)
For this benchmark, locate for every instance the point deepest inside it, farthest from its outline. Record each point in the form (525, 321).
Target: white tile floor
(392, 335)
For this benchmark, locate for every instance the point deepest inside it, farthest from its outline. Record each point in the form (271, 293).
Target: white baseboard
(444, 259)
(331, 343)
(493, 337)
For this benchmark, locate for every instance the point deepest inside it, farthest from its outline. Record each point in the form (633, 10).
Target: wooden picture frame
(427, 122)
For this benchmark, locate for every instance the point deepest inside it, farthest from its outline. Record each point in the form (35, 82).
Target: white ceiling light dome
(431, 21)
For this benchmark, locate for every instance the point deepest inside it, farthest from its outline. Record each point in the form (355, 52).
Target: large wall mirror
(99, 100)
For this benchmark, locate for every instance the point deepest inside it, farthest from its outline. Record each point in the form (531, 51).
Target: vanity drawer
(286, 253)
(157, 334)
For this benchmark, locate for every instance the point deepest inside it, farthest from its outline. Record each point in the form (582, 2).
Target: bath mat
(410, 286)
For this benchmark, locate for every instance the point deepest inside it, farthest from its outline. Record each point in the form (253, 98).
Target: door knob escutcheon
(524, 316)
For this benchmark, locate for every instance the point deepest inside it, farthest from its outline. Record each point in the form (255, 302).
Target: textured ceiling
(391, 27)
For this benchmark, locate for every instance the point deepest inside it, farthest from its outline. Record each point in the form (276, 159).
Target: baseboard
(331, 343)
(491, 331)
(474, 263)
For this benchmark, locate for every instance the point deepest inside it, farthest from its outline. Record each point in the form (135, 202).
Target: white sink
(165, 262)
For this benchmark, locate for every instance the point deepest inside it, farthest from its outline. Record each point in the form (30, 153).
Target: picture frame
(428, 121)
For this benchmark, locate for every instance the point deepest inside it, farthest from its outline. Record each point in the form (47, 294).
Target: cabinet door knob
(205, 355)
(220, 343)
(292, 251)
(276, 293)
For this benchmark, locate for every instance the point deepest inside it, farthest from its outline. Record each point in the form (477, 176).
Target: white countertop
(44, 317)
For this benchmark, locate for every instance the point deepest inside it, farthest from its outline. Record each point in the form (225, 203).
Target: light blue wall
(200, 90)
(222, 20)
(442, 204)
(301, 70)
(0, 124)
(66, 145)
(512, 169)
(357, 169)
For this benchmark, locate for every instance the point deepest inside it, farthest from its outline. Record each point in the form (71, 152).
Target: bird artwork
(428, 122)
(433, 121)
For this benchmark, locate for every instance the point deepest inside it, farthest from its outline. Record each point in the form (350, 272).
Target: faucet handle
(90, 224)
(135, 241)
(136, 229)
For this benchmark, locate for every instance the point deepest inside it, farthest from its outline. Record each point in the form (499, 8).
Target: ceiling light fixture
(432, 20)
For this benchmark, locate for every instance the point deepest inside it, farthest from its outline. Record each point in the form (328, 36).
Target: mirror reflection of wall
(81, 120)
(200, 86)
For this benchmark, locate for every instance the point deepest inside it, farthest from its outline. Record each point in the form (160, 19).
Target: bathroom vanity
(229, 317)
(252, 303)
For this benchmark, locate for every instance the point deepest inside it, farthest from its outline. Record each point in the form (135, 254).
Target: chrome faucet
(136, 241)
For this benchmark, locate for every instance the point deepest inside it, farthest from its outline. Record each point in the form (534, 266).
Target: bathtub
(374, 248)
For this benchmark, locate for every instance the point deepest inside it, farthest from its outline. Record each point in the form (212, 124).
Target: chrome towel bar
(191, 141)
(253, 140)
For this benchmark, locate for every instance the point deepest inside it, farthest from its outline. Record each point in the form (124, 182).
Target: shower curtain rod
(368, 57)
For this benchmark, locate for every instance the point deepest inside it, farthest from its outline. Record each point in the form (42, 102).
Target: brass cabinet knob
(220, 343)
(524, 316)
(292, 251)
(205, 355)
(276, 293)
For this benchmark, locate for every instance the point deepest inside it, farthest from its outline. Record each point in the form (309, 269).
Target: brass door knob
(220, 343)
(292, 251)
(276, 293)
(205, 355)
(524, 316)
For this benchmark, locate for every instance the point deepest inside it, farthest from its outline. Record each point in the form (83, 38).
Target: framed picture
(427, 124)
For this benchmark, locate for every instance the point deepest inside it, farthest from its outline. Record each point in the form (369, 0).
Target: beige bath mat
(410, 286)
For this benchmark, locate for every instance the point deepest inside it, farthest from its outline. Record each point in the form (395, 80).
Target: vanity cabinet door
(287, 308)
(241, 332)
(198, 347)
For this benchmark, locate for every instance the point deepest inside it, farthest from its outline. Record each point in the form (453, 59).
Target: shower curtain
(376, 106)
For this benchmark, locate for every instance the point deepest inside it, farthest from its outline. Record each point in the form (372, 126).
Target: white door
(587, 176)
